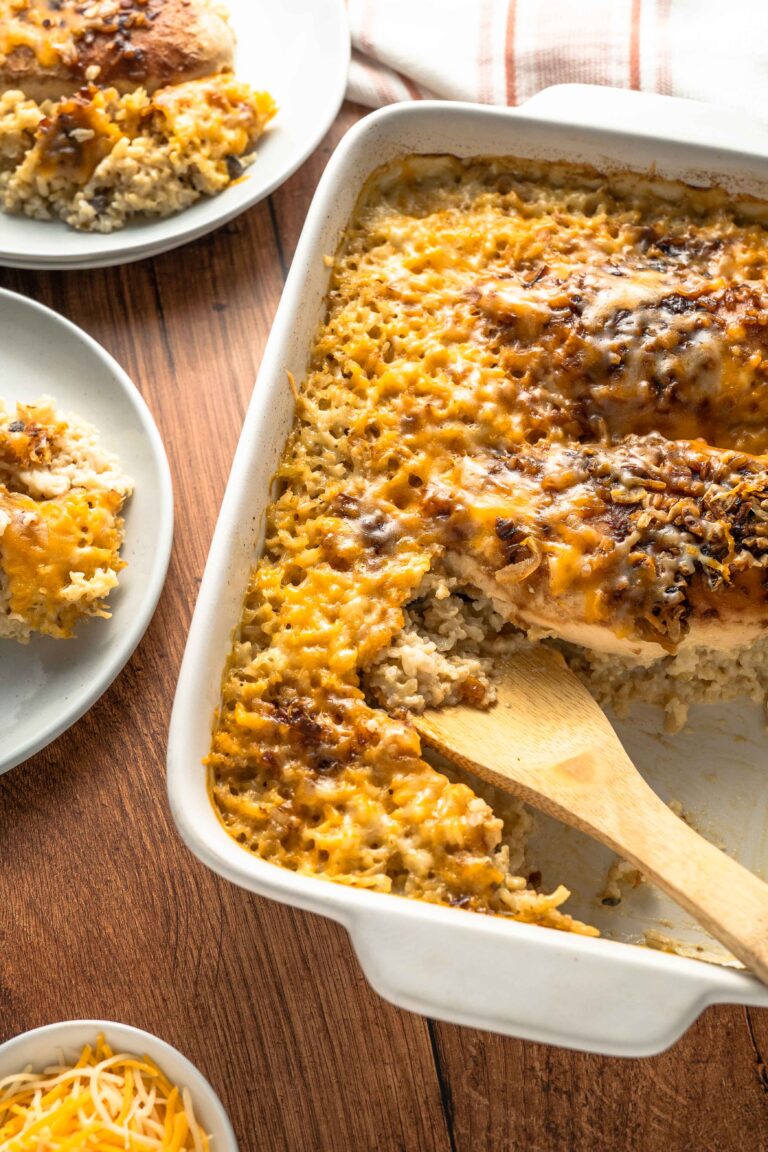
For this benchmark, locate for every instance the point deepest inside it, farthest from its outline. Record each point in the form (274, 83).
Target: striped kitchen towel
(503, 51)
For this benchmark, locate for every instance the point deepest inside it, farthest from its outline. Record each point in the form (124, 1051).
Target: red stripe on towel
(634, 46)
(510, 50)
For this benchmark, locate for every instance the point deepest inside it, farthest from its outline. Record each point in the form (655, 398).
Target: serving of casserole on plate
(117, 109)
(86, 524)
(126, 129)
(531, 414)
(61, 525)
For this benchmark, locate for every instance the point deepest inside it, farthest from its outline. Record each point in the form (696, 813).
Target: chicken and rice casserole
(535, 412)
(61, 526)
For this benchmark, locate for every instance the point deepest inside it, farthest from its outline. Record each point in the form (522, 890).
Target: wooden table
(104, 913)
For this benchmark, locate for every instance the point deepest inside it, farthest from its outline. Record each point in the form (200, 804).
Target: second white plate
(46, 685)
(298, 50)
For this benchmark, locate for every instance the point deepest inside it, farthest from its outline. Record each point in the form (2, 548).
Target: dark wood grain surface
(104, 913)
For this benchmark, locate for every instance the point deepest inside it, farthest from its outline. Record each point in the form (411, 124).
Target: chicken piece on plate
(49, 48)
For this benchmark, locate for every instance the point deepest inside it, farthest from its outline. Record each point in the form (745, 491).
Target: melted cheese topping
(212, 121)
(52, 29)
(105, 1101)
(495, 331)
(75, 137)
(40, 28)
(643, 537)
(44, 543)
(219, 116)
(61, 528)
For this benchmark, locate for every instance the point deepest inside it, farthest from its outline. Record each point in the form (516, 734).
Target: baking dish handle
(649, 114)
(535, 983)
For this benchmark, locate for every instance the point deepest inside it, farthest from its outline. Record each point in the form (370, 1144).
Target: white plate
(298, 50)
(46, 685)
(600, 995)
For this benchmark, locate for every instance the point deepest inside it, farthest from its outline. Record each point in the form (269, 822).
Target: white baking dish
(601, 995)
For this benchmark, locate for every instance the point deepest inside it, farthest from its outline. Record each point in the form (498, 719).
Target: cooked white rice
(453, 635)
(162, 153)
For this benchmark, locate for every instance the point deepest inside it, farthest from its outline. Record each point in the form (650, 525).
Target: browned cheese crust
(645, 534)
(49, 47)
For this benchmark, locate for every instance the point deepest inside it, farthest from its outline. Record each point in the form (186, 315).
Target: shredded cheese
(106, 1101)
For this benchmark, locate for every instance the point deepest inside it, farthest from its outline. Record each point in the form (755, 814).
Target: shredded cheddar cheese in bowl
(105, 1101)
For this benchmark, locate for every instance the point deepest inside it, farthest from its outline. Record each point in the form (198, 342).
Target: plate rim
(143, 248)
(125, 645)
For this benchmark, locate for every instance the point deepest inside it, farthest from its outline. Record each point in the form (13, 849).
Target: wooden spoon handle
(728, 900)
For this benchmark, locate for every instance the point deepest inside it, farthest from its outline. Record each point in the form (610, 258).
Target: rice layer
(97, 159)
(454, 635)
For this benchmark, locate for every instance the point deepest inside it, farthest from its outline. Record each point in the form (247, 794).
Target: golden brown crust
(642, 345)
(48, 48)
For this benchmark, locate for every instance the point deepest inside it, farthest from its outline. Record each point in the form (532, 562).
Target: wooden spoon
(547, 741)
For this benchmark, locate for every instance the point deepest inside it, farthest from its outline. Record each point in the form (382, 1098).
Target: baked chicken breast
(49, 48)
(636, 548)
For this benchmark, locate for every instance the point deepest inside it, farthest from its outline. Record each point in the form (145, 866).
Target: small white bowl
(63, 1042)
